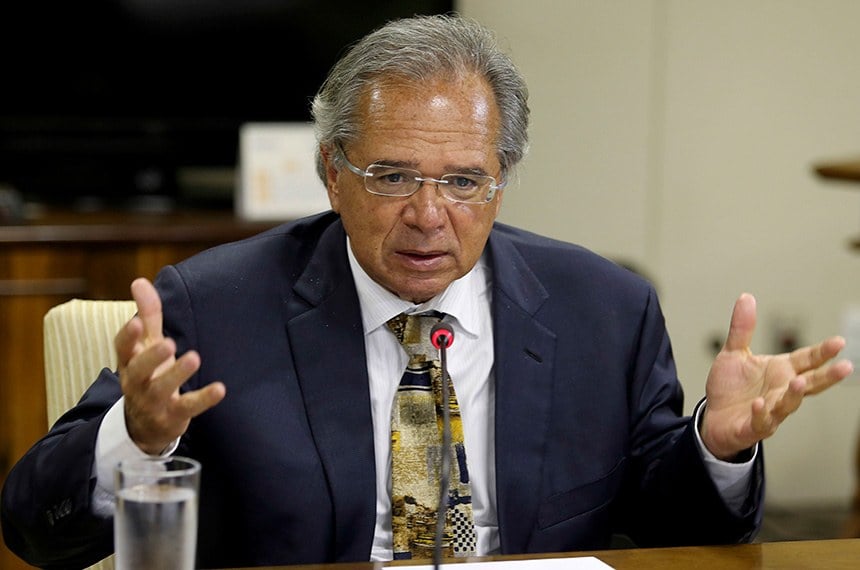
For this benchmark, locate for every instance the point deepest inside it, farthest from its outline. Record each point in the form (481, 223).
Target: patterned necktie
(416, 447)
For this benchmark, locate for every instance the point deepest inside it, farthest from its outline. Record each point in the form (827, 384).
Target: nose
(426, 208)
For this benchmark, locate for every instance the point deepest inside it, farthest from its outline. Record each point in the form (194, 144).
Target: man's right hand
(150, 375)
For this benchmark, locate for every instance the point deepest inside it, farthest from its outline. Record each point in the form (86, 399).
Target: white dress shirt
(467, 302)
(470, 364)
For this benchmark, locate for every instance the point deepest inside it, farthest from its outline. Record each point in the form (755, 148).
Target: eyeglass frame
(421, 179)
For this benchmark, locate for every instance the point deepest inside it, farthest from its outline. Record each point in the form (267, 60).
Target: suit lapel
(332, 373)
(524, 360)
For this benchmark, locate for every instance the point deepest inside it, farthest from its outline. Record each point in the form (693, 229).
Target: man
(271, 361)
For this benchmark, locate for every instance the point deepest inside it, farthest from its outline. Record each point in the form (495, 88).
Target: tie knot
(413, 331)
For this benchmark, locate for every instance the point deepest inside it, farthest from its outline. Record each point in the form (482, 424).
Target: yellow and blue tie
(416, 448)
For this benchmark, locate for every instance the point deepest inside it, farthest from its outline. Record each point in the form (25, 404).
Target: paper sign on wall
(278, 179)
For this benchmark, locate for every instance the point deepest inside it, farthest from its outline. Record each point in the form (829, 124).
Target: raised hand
(150, 375)
(749, 395)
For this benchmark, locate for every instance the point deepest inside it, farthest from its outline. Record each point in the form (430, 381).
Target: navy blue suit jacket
(590, 438)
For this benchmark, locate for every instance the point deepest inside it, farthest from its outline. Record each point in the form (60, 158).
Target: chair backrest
(79, 342)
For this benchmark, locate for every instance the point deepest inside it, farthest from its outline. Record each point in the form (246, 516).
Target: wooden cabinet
(64, 256)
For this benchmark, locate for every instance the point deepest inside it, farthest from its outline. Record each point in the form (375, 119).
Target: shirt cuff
(113, 444)
(732, 480)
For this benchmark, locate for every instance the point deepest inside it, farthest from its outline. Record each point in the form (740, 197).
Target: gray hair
(416, 49)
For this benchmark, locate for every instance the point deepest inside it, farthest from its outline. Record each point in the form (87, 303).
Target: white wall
(680, 135)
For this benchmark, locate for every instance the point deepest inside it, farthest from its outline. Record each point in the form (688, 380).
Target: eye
(462, 182)
(462, 185)
(392, 177)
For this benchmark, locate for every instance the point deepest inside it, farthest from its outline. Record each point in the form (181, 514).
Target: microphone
(442, 337)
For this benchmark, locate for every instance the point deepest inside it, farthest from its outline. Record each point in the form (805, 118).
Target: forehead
(443, 115)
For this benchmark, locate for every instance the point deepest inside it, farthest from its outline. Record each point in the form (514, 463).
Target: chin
(418, 291)
(418, 296)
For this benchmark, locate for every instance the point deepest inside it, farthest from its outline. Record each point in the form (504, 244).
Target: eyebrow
(449, 169)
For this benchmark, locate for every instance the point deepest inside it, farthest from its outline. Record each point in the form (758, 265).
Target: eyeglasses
(394, 181)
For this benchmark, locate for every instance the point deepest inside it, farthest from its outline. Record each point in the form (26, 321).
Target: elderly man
(277, 361)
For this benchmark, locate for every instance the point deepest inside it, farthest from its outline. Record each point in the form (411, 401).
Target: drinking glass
(155, 525)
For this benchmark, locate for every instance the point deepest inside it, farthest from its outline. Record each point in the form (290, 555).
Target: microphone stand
(445, 476)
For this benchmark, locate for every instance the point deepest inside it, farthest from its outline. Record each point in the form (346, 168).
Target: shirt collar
(459, 300)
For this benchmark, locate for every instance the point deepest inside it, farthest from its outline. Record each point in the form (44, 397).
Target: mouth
(422, 259)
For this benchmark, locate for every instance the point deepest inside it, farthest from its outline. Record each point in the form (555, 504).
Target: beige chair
(79, 337)
(78, 344)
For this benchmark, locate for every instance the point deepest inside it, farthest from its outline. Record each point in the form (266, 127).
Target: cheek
(367, 223)
(472, 228)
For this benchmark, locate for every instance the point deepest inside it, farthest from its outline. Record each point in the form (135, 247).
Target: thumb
(743, 323)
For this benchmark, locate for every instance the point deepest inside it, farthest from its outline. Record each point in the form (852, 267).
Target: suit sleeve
(46, 514)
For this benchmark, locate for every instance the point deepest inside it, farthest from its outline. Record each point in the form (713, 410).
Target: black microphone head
(441, 334)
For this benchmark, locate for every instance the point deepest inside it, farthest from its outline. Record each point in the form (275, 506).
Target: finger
(743, 323)
(809, 357)
(196, 402)
(168, 380)
(148, 307)
(824, 377)
(141, 368)
(760, 419)
(790, 400)
(126, 339)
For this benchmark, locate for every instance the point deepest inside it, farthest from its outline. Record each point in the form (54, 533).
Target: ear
(331, 177)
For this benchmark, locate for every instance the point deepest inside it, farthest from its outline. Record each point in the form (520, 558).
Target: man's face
(415, 246)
